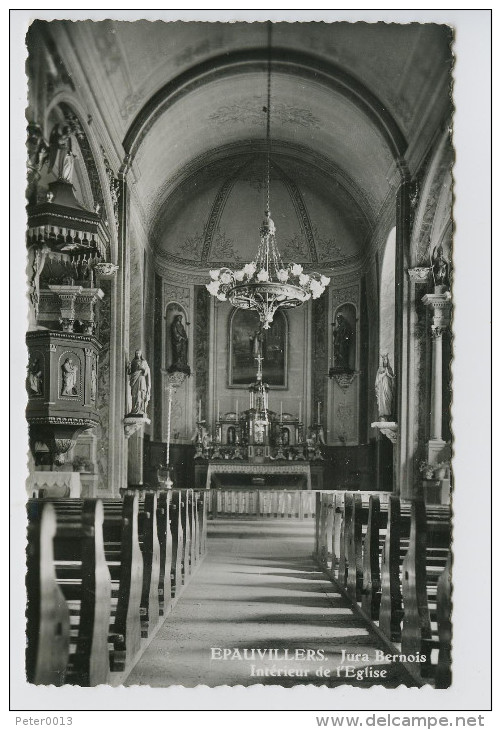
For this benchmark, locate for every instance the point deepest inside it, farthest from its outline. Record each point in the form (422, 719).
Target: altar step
(260, 589)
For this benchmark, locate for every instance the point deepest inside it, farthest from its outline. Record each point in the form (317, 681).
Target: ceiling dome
(213, 219)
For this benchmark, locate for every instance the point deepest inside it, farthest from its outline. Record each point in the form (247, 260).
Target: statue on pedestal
(179, 346)
(342, 334)
(385, 387)
(140, 384)
(440, 268)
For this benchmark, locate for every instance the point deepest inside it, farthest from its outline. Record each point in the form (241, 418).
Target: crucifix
(259, 359)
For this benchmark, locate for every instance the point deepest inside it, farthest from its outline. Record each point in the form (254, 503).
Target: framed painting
(247, 339)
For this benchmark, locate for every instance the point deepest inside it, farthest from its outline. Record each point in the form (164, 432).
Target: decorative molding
(133, 424)
(217, 211)
(344, 380)
(251, 112)
(230, 155)
(388, 429)
(440, 305)
(177, 294)
(106, 270)
(63, 421)
(114, 187)
(419, 274)
(348, 295)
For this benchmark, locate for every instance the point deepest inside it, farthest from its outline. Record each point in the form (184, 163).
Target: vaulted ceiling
(186, 101)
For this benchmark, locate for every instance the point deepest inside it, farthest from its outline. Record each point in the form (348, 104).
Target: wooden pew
(371, 580)
(344, 540)
(125, 562)
(354, 577)
(443, 675)
(391, 610)
(176, 529)
(47, 614)
(85, 580)
(396, 571)
(106, 567)
(165, 546)
(150, 548)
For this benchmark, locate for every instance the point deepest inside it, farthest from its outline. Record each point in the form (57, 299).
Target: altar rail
(101, 576)
(272, 503)
(393, 562)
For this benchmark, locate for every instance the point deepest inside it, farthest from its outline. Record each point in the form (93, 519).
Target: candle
(218, 410)
(318, 411)
(300, 409)
(281, 412)
(200, 410)
(236, 409)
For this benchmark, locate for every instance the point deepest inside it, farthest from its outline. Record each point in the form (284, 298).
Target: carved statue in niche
(440, 268)
(70, 374)
(231, 435)
(61, 156)
(342, 335)
(34, 380)
(385, 388)
(39, 254)
(140, 384)
(179, 345)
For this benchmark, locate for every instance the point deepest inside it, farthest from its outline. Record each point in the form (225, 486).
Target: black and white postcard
(240, 395)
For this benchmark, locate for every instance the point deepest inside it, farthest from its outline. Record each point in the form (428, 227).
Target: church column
(440, 306)
(118, 335)
(418, 284)
(401, 461)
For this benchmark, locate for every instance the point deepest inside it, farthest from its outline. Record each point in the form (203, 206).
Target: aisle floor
(259, 589)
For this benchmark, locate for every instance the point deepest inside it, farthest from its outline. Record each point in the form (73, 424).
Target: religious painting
(248, 340)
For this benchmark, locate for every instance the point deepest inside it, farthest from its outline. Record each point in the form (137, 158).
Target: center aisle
(259, 588)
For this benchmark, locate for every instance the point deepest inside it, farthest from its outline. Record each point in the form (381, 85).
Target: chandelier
(266, 284)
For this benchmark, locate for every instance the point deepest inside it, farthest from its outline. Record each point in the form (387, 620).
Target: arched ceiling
(212, 218)
(186, 99)
(229, 111)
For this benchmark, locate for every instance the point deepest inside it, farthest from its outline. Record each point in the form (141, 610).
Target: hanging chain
(268, 120)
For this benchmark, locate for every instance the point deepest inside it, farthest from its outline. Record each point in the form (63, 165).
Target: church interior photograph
(238, 364)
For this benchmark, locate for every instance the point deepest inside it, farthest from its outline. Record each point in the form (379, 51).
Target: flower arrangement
(433, 471)
(80, 463)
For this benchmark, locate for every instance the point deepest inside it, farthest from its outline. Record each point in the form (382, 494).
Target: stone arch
(285, 60)
(432, 220)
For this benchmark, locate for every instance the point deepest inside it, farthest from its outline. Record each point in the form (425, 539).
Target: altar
(257, 473)
(243, 474)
